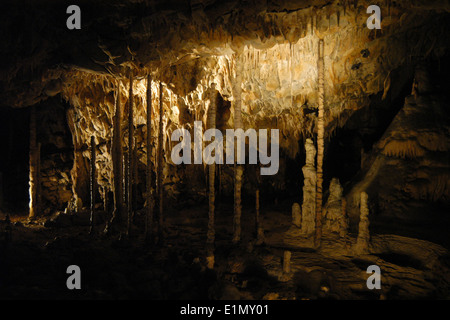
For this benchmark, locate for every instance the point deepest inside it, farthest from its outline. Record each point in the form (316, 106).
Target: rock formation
(335, 218)
(309, 190)
(296, 215)
(363, 240)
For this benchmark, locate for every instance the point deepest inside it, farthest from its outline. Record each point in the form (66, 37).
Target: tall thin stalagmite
(130, 154)
(38, 177)
(150, 201)
(160, 164)
(320, 147)
(239, 169)
(117, 162)
(92, 185)
(211, 124)
(33, 165)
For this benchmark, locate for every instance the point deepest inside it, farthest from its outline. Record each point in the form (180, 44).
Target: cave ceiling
(187, 44)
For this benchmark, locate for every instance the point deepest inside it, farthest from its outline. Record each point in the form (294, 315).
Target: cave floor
(34, 263)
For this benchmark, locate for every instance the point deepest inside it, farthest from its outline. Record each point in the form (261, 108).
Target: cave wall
(56, 155)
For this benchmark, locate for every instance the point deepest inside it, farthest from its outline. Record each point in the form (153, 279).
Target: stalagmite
(130, 154)
(150, 201)
(309, 190)
(1, 190)
(160, 164)
(92, 185)
(80, 171)
(362, 242)
(135, 176)
(117, 162)
(320, 146)
(125, 180)
(38, 177)
(105, 194)
(296, 215)
(335, 217)
(287, 262)
(33, 166)
(239, 169)
(212, 111)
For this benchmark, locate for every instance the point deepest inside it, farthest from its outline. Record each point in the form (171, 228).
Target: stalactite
(320, 146)
(211, 120)
(33, 165)
(117, 163)
(130, 170)
(150, 201)
(160, 165)
(92, 185)
(239, 170)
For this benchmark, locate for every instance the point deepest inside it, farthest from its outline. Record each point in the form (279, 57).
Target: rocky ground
(34, 262)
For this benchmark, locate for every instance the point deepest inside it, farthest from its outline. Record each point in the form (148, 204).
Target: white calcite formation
(336, 221)
(309, 190)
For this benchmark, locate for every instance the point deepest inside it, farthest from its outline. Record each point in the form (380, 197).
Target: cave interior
(88, 175)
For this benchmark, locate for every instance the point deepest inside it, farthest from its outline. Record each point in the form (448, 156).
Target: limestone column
(211, 124)
(239, 169)
(33, 163)
(80, 170)
(117, 161)
(130, 170)
(150, 201)
(160, 164)
(320, 147)
(309, 191)
(362, 242)
(92, 185)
